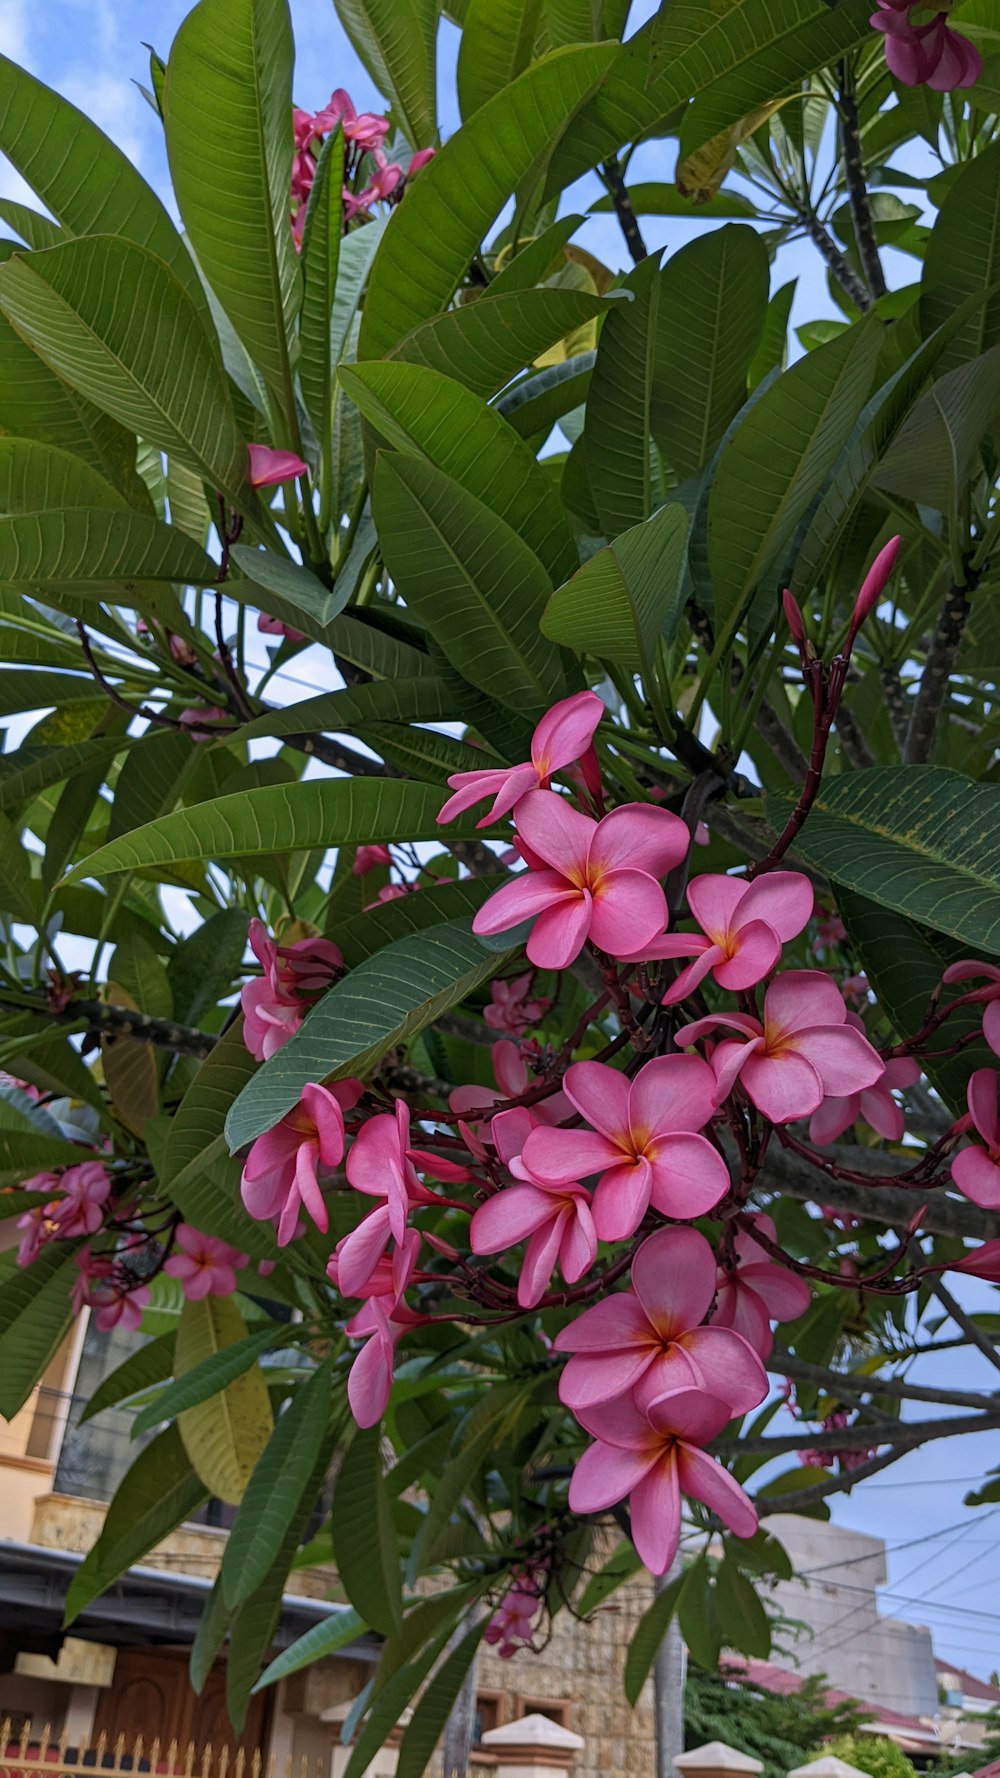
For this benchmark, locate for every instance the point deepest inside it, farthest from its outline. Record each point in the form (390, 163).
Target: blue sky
(91, 50)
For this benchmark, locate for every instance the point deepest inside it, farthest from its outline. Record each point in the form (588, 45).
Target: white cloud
(14, 30)
(112, 102)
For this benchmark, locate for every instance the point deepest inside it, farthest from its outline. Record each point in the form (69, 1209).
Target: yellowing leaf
(225, 1435)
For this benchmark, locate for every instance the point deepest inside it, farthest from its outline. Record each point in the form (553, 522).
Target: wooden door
(151, 1696)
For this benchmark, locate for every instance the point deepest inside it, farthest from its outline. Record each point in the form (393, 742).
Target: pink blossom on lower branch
(744, 926)
(275, 1003)
(653, 1458)
(281, 1172)
(650, 1338)
(555, 1220)
(565, 733)
(643, 1142)
(754, 1290)
(874, 1105)
(802, 1050)
(383, 1164)
(596, 880)
(975, 1170)
(511, 1009)
(205, 1265)
(512, 1625)
(114, 1299)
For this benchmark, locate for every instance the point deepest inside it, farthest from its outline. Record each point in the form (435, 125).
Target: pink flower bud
(793, 618)
(874, 585)
(267, 467)
(420, 159)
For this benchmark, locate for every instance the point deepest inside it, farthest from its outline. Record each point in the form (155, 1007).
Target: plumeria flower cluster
(364, 134)
(923, 49)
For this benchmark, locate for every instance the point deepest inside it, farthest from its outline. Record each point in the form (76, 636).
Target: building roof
(990, 1771)
(970, 1685)
(770, 1678)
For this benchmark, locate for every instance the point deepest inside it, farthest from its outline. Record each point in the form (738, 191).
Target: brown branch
(903, 1436)
(841, 268)
(856, 1383)
(121, 1021)
(892, 1206)
(856, 749)
(841, 1484)
(969, 1327)
(611, 173)
(895, 705)
(857, 188)
(938, 667)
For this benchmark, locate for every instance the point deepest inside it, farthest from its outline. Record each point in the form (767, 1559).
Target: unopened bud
(793, 618)
(874, 585)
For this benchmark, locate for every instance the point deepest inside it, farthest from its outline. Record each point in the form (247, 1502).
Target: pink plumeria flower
(643, 1142)
(418, 160)
(512, 1626)
(370, 1382)
(382, 1164)
(555, 1220)
(565, 733)
(758, 1291)
(123, 1308)
(281, 1173)
(275, 1004)
(267, 467)
(369, 858)
(874, 1105)
(975, 1170)
(113, 1300)
(596, 880)
(512, 1078)
(36, 1225)
(745, 925)
(649, 1339)
(80, 1210)
(931, 54)
(383, 183)
(201, 720)
(654, 1458)
(205, 1265)
(855, 989)
(802, 1050)
(273, 626)
(982, 1262)
(390, 1275)
(510, 1007)
(970, 967)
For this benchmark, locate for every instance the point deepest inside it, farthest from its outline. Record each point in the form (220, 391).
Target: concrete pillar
(717, 1760)
(532, 1747)
(827, 1767)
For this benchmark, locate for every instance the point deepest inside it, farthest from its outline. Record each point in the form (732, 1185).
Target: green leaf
(157, 1494)
(963, 256)
(91, 550)
(16, 890)
(483, 1431)
(497, 40)
(153, 1363)
(206, 1378)
(627, 595)
(936, 450)
(696, 1613)
(535, 404)
(224, 1436)
(651, 198)
(923, 841)
(206, 963)
(423, 699)
(713, 300)
(396, 41)
(648, 1634)
(428, 415)
(439, 227)
(209, 1637)
(110, 319)
(292, 593)
(37, 477)
(742, 1619)
(620, 1566)
(228, 119)
(36, 404)
(320, 259)
(37, 230)
(278, 818)
(620, 404)
(428, 1720)
(772, 353)
(364, 934)
(385, 1001)
(483, 344)
(389, 1707)
(776, 463)
(470, 579)
(34, 1319)
(276, 1487)
(151, 778)
(43, 135)
(364, 1543)
(343, 1626)
(904, 963)
(728, 59)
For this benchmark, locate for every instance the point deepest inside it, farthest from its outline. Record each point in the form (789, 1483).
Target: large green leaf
(421, 412)
(112, 321)
(777, 461)
(477, 587)
(627, 595)
(649, 198)
(276, 1487)
(391, 1703)
(35, 404)
(225, 1435)
(648, 1635)
(32, 769)
(92, 549)
(278, 818)
(37, 477)
(363, 934)
(364, 1542)
(158, 1493)
(43, 135)
(485, 343)
(153, 1363)
(205, 965)
(320, 259)
(345, 712)
(963, 256)
(497, 41)
(904, 964)
(921, 840)
(427, 1723)
(537, 402)
(343, 1626)
(483, 1431)
(286, 590)
(936, 450)
(439, 227)
(397, 41)
(35, 1319)
(620, 405)
(385, 1001)
(228, 116)
(713, 300)
(729, 59)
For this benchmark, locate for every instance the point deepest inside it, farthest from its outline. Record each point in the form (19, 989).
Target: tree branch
(966, 1323)
(938, 667)
(611, 173)
(794, 1178)
(856, 749)
(121, 1021)
(903, 1436)
(848, 280)
(840, 1484)
(857, 189)
(856, 1383)
(895, 705)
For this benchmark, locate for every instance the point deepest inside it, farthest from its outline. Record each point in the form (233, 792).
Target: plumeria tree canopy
(562, 1043)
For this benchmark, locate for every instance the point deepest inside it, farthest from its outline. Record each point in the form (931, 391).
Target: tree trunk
(669, 1673)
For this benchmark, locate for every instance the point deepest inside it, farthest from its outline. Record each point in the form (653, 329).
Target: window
(556, 1709)
(489, 1715)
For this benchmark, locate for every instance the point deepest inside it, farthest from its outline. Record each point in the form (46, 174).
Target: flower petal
(620, 1423)
(982, 1097)
(690, 1414)
(578, 1246)
(758, 949)
(601, 1095)
(799, 998)
(783, 898)
(639, 836)
(704, 1479)
(510, 1216)
(673, 1276)
(689, 1176)
(555, 831)
(559, 1157)
(539, 1259)
(629, 909)
(978, 1177)
(565, 731)
(589, 1379)
(617, 1322)
(670, 1093)
(521, 898)
(714, 899)
(728, 1366)
(783, 1088)
(656, 1514)
(844, 1060)
(605, 1474)
(560, 932)
(622, 1199)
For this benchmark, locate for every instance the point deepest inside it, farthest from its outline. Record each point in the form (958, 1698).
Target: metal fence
(27, 1755)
